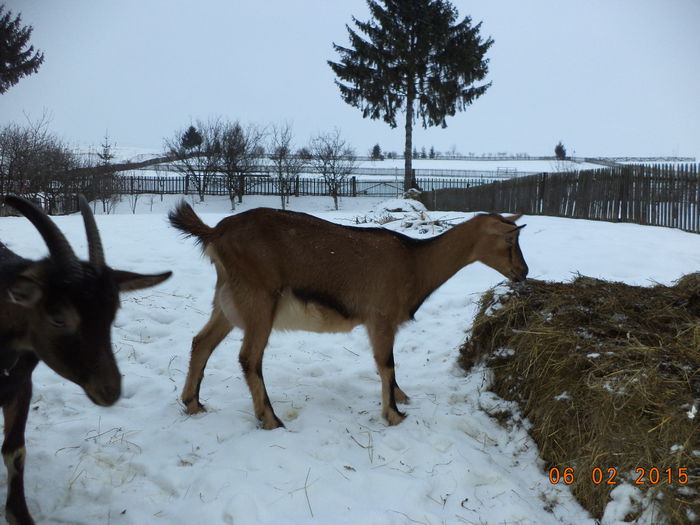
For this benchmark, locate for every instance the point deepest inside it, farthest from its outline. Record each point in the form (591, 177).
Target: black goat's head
(69, 305)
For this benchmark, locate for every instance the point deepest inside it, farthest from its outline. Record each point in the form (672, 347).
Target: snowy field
(519, 165)
(143, 461)
(123, 154)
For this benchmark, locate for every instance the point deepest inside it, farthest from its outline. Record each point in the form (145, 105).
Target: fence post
(539, 206)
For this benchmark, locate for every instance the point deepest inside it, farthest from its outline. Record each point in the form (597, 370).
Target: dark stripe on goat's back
(401, 237)
(325, 299)
(311, 220)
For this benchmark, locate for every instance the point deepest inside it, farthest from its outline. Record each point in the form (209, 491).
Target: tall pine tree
(16, 60)
(415, 57)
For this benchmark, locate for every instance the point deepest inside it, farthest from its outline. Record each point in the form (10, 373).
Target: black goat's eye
(57, 320)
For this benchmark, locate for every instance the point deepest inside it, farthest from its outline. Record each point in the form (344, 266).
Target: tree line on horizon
(414, 57)
(37, 164)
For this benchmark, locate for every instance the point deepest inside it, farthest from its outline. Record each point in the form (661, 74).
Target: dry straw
(609, 377)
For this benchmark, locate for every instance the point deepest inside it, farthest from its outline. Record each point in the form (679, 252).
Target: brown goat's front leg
(203, 344)
(13, 453)
(251, 357)
(382, 339)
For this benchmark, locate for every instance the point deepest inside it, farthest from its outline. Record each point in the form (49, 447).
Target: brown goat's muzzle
(520, 274)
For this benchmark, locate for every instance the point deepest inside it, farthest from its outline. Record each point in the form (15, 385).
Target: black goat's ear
(128, 281)
(25, 292)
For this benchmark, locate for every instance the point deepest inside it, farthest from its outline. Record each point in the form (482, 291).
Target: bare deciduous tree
(241, 151)
(197, 152)
(37, 165)
(332, 158)
(133, 198)
(286, 163)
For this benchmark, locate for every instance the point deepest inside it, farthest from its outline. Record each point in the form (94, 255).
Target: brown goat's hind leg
(13, 453)
(251, 358)
(203, 344)
(382, 340)
(399, 395)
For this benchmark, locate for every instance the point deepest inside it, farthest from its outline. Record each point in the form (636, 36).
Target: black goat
(58, 310)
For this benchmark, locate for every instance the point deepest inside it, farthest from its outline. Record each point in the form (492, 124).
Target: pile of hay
(608, 376)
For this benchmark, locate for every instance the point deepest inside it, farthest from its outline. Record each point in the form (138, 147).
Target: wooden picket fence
(659, 195)
(62, 200)
(301, 186)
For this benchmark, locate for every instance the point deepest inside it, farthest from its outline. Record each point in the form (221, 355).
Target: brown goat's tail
(184, 218)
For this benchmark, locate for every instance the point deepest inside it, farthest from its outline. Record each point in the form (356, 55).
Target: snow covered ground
(144, 461)
(123, 154)
(517, 165)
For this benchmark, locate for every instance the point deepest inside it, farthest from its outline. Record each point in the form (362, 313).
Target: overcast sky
(607, 77)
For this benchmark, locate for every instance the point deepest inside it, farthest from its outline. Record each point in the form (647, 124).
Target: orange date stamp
(608, 476)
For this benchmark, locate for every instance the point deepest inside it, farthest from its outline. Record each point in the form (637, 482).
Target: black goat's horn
(97, 255)
(58, 246)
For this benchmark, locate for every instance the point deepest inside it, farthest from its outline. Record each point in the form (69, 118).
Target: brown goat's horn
(59, 249)
(97, 256)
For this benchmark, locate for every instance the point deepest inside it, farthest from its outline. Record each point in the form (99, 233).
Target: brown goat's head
(69, 305)
(499, 246)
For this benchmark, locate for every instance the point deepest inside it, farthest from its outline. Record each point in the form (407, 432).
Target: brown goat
(58, 310)
(292, 271)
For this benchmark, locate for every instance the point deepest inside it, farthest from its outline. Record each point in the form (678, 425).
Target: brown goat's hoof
(194, 407)
(271, 423)
(394, 417)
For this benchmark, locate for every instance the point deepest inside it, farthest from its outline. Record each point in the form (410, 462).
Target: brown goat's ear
(517, 228)
(513, 218)
(129, 281)
(25, 292)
